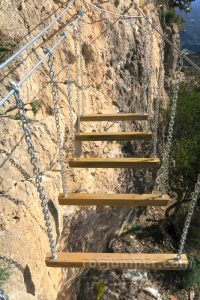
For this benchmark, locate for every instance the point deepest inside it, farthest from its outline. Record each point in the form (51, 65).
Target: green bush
(36, 105)
(192, 277)
(183, 173)
(169, 16)
(6, 50)
(186, 142)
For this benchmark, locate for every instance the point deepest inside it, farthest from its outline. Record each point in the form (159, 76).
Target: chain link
(83, 96)
(3, 296)
(36, 170)
(69, 92)
(16, 165)
(157, 108)
(150, 72)
(144, 43)
(166, 155)
(57, 119)
(148, 65)
(77, 78)
(12, 262)
(189, 217)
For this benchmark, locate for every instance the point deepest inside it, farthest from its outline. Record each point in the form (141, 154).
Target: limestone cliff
(114, 68)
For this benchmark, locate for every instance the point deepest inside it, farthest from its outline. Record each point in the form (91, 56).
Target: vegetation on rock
(185, 167)
(4, 273)
(169, 16)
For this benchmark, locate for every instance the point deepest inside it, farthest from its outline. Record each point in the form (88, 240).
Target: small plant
(36, 105)
(14, 117)
(100, 290)
(134, 228)
(116, 3)
(192, 277)
(6, 50)
(169, 16)
(4, 273)
(126, 240)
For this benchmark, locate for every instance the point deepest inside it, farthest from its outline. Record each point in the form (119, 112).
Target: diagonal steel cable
(34, 39)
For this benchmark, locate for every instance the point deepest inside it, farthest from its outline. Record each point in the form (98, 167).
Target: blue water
(190, 38)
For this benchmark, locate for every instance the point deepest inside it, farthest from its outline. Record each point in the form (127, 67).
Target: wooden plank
(135, 163)
(113, 136)
(114, 117)
(150, 261)
(114, 199)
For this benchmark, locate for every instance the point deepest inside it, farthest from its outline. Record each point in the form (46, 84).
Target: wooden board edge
(183, 264)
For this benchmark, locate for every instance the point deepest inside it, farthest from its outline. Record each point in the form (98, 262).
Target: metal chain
(144, 43)
(77, 78)
(57, 119)
(150, 72)
(34, 162)
(80, 40)
(3, 296)
(166, 156)
(157, 108)
(12, 262)
(69, 92)
(189, 217)
(16, 165)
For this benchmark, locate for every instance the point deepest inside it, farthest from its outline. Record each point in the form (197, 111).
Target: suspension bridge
(156, 261)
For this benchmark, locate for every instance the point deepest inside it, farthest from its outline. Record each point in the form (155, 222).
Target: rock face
(114, 68)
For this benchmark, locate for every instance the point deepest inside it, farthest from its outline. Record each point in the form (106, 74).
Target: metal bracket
(47, 51)
(14, 86)
(81, 12)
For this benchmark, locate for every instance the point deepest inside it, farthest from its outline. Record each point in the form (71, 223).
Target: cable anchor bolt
(81, 12)
(47, 51)
(14, 86)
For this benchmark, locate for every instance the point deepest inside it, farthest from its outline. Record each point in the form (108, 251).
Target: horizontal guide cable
(35, 38)
(20, 83)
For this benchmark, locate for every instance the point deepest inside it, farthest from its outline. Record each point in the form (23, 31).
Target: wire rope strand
(23, 48)
(112, 13)
(41, 61)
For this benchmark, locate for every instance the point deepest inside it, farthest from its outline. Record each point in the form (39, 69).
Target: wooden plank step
(114, 117)
(153, 261)
(114, 199)
(135, 163)
(113, 136)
